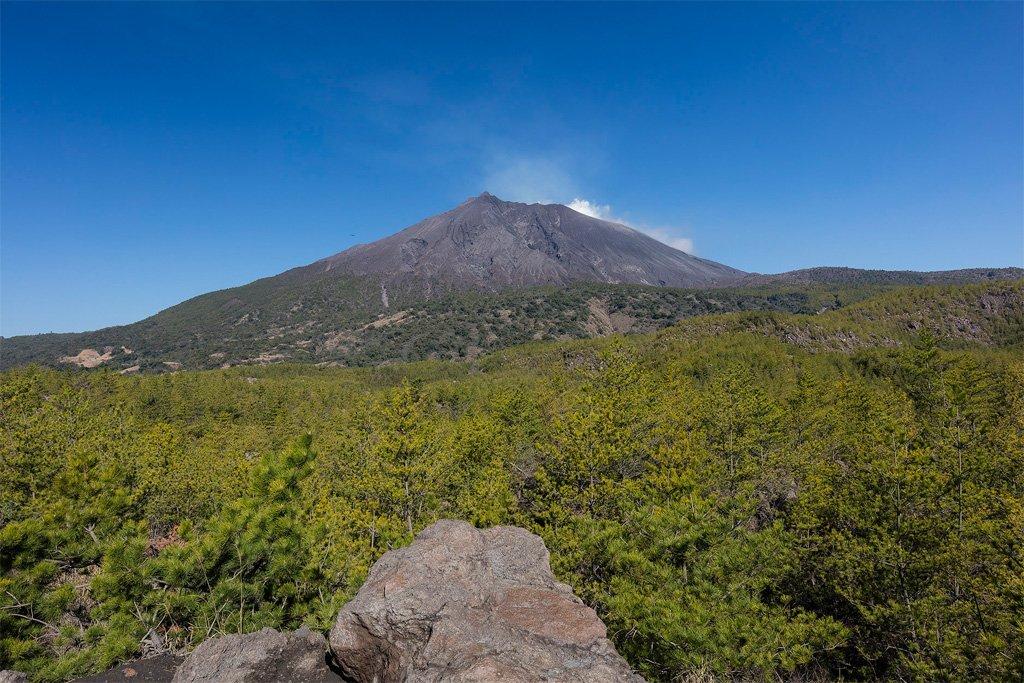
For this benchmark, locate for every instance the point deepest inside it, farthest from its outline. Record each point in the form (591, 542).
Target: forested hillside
(342, 320)
(743, 496)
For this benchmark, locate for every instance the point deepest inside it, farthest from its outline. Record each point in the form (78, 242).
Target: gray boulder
(462, 604)
(267, 655)
(8, 676)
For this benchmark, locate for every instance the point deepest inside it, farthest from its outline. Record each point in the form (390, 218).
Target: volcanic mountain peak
(389, 300)
(487, 243)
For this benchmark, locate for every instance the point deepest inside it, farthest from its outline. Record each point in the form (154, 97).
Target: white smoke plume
(604, 212)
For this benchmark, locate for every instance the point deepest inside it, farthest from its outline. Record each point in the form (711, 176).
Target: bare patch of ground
(394, 319)
(264, 359)
(333, 340)
(601, 323)
(89, 358)
(622, 323)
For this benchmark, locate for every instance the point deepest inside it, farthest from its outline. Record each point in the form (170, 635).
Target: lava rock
(462, 604)
(267, 655)
(159, 669)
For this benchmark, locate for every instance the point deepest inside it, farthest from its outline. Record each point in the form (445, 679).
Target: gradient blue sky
(152, 152)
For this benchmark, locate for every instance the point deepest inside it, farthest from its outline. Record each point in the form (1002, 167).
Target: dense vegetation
(343, 320)
(756, 495)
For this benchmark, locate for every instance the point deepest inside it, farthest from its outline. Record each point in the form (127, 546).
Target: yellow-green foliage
(732, 504)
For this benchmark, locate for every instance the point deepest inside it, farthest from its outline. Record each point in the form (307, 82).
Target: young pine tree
(252, 565)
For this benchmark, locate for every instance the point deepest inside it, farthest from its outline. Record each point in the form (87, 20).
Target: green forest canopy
(745, 496)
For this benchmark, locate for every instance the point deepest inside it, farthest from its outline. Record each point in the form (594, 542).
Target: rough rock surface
(462, 604)
(489, 244)
(159, 669)
(266, 655)
(8, 676)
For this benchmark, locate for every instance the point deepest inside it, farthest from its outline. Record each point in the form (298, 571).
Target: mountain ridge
(500, 272)
(833, 275)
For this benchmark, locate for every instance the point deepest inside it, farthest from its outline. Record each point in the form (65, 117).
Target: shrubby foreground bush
(732, 505)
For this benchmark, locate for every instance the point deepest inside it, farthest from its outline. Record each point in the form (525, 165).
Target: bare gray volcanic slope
(489, 244)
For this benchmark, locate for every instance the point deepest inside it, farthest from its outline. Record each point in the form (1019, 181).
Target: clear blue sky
(152, 152)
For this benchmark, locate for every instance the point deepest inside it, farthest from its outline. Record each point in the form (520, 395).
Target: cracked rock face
(267, 655)
(462, 604)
